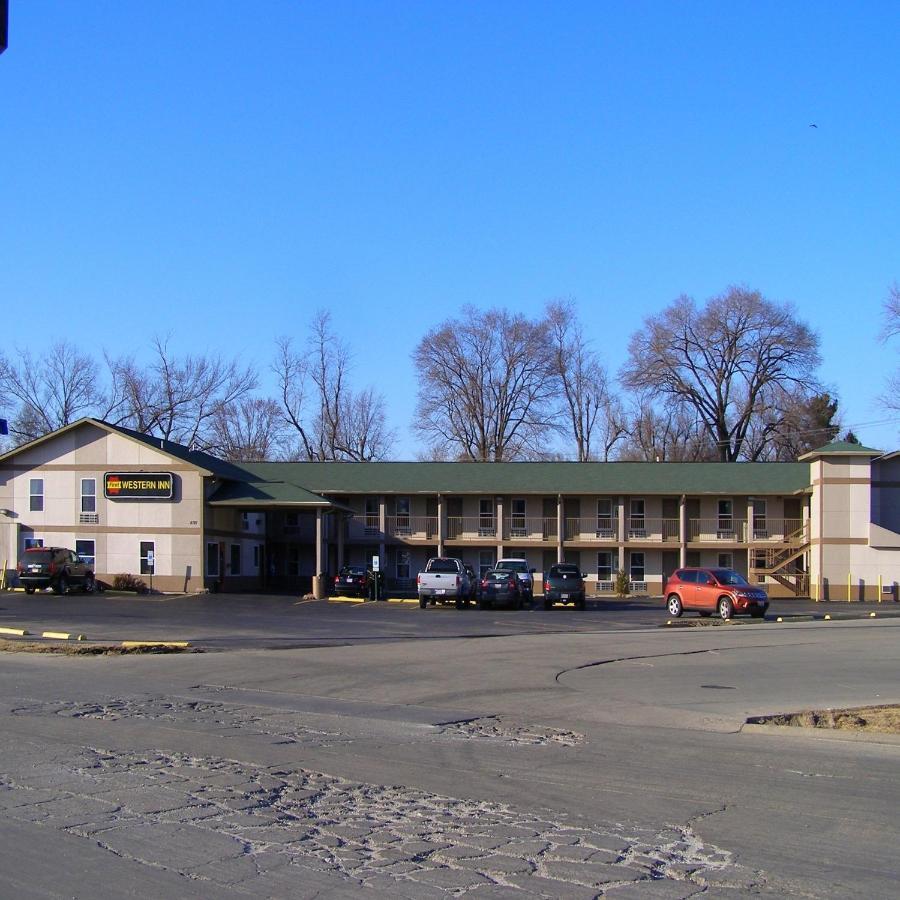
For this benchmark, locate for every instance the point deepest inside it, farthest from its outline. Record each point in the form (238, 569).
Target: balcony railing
(721, 528)
(412, 527)
(471, 528)
(523, 528)
(593, 528)
(647, 528)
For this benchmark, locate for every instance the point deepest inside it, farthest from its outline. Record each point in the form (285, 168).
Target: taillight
(512, 584)
(20, 567)
(546, 585)
(457, 580)
(419, 578)
(337, 579)
(52, 567)
(484, 582)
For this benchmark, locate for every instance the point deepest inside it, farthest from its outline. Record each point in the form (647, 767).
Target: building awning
(268, 494)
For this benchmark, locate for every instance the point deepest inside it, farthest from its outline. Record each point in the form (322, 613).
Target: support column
(499, 513)
(750, 535)
(382, 530)
(318, 582)
(682, 532)
(621, 534)
(440, 511)
(560, 528)
(341, 521)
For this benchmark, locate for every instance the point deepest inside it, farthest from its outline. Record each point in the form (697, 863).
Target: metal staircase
(783, 562)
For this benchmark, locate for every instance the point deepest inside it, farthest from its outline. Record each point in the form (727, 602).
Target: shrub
(623, 583)
(126, 582)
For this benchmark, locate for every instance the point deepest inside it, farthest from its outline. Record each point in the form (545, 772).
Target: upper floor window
(36, 495)
(88, 495)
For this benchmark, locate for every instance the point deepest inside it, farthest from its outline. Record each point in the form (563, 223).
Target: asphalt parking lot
(233, 621)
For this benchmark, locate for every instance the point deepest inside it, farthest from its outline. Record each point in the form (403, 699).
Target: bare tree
(891, 328)
(593, 416)
(331, 420)
(50, 392)
(180, 399)
(790, 424)
(719, 360)
(667, 433)
(251, 429)
(485, 386)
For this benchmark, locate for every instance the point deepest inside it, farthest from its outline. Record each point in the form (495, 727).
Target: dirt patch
(874, 719)
(88, 649)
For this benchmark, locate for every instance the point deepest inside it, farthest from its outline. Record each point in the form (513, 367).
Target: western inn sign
(826, 526)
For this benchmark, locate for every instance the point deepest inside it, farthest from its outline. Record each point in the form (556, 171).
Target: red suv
(714, 590)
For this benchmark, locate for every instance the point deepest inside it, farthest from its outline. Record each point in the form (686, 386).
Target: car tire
(674, 605)
(757, 613)
(726, 608)
(61, 586)
(89, 585)
(29, 590)
(460, 602)
(579, 603)
(423, 602)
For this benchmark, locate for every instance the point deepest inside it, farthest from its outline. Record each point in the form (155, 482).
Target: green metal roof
(265, 493)
(841, 448)
(548, 478)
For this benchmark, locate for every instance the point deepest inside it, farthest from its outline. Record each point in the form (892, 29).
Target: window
(36, 495)
(212, 559)
(637, 523)
(293, 559)
(33, 542)
(604, 566)
(245, 521)
(148, 557)
(726, 519)
(85, 550)
(402, 515)
(637, 567)
(256, 557)
(291, 522)
(88, 495)
(760, 525)
(403, 563)
(486, 517)
(372, 514)
(726, 560)
(485, 562)
(235, 559)
(518, 518)
(605, 517)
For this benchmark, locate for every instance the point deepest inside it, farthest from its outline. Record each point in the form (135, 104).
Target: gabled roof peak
(840, 448)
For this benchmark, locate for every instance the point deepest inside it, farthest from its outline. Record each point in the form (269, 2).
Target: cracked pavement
(514, 768)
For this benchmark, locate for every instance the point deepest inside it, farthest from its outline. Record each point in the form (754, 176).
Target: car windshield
(729, 576)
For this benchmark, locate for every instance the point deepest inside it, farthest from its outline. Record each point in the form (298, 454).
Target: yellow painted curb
(402, 600)
(779, 619)
(180, 644)
(63, 636)
(346, 600)
(871, 615)
(827, 618)
(21, 632)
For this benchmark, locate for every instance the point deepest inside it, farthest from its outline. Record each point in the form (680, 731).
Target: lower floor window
(637, 567)
(85, 550)
(293, 559)
(604, 566)
(148, 557)
(235, 559)
(485, 562)
(726, 560)
(33, 542)
(403, 563)
(212, 559)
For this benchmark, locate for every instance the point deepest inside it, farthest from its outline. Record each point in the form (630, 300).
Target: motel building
(826, 526)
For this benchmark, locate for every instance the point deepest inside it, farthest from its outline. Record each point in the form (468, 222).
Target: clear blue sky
(223, 169)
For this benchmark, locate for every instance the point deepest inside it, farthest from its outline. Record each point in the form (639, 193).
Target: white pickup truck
(445, 578)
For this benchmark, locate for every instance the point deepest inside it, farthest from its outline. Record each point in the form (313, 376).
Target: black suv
(55, 567)
(564, 583)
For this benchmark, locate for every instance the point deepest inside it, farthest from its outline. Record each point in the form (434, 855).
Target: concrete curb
(63, 636)
(181, 645)
(822, 734)
(18, 632)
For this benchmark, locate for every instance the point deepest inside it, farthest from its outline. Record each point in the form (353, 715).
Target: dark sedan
(352, 581)
(564, 583)
(500, 587)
